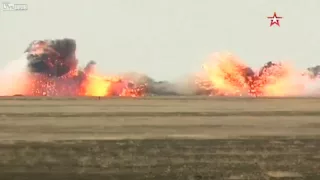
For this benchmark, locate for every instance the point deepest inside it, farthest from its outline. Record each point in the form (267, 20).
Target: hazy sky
(167, 38)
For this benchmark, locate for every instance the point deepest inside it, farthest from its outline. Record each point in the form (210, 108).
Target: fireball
(227, 75)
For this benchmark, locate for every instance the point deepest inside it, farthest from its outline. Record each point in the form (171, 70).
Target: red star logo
(275, 19)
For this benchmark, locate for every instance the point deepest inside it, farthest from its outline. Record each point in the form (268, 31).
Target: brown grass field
(166, 138)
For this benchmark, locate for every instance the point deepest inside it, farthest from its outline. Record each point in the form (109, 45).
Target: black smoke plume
(52, 57)
(314, 71)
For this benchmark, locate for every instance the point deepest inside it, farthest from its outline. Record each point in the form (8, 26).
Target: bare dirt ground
(159, 138)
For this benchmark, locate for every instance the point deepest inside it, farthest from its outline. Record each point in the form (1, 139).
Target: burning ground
(51, 69)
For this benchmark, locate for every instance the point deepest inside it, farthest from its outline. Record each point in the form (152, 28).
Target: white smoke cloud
(13, 77)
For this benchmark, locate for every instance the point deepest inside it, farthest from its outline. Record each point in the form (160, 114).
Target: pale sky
(167, 38)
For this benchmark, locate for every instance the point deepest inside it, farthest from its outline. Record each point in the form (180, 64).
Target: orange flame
(228, 76)
(90, 85)
(282, 80)
(96, 86)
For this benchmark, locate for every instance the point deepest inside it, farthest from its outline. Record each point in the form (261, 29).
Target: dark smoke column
(53, 58)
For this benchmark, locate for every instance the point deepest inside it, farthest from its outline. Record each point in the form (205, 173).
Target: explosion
(228, 76)
(53, 71)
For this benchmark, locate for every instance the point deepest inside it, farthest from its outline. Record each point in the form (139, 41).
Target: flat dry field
(160, 138)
